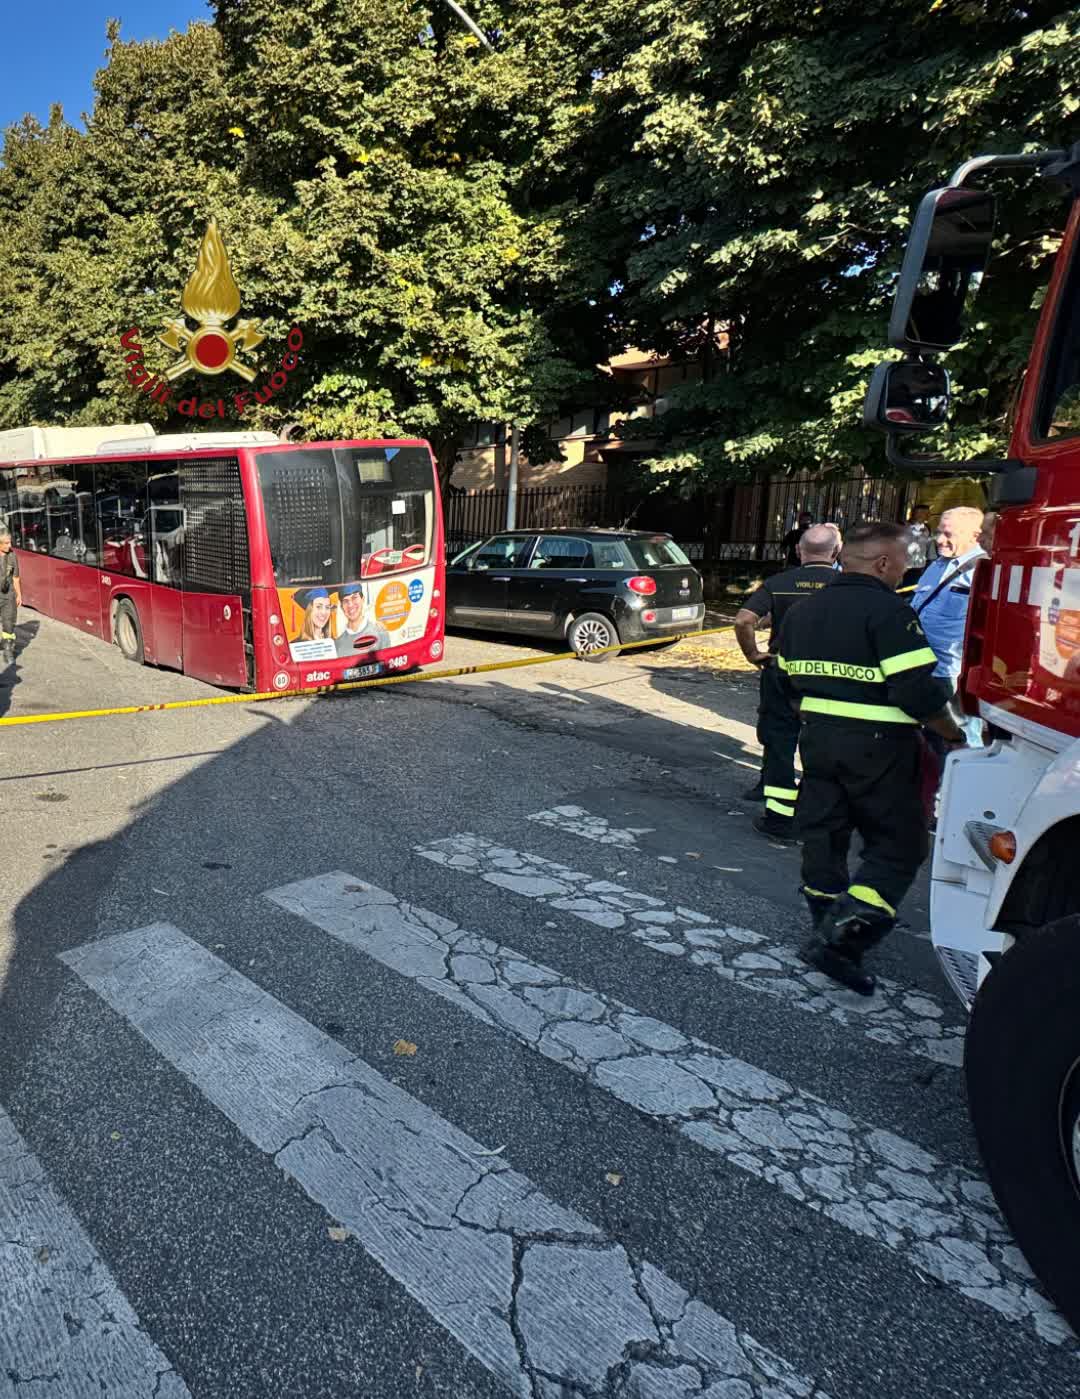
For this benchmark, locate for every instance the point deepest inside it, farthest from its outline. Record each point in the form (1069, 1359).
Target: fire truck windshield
(335, 515)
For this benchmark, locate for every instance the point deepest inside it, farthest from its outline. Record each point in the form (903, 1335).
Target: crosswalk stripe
(940, 1219)
(534, 1291)
(894, 1015)
(64, 1324)
(577, 821)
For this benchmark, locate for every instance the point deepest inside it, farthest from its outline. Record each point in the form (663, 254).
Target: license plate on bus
(682, 614)
(363, 672)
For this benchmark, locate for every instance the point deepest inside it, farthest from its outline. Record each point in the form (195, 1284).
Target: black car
(590, 587)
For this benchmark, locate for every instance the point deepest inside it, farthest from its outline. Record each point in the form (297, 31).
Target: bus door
(207, 533)
(213, 639)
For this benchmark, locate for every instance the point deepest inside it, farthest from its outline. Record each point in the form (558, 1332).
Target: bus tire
(127, 631)
(590, 632)
(1022, 1065)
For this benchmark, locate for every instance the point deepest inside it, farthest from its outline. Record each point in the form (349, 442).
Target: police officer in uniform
(778, 725)
(859, 665)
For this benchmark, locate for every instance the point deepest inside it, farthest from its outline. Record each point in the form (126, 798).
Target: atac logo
(211, 299)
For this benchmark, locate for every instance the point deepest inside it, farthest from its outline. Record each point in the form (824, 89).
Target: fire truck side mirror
(943, 266)
(907, 396)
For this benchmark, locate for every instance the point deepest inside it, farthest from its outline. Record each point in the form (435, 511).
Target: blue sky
(52, 48)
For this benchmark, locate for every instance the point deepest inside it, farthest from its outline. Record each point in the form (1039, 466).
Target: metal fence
(473, 515)
(744, 522)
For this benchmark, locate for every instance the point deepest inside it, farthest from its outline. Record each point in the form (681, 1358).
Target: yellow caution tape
(315, 692)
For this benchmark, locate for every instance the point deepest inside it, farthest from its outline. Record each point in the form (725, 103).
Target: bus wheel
(590, 632)
(127, 632)
(1022, 1063)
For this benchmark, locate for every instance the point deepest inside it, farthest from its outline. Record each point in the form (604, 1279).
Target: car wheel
(592, 632)
(1022, 1063)
(127, 631)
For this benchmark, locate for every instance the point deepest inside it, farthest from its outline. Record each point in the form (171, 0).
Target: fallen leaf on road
(404, 1047)
(419, 1371)
(613, 1178)
(338, 1234)
(42, 1255)
(115, 1136)
(495, 1152)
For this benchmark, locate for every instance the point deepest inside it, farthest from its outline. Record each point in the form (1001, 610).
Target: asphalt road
(447, 1040)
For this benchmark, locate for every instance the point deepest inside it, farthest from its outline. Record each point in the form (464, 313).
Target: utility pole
(512, 482)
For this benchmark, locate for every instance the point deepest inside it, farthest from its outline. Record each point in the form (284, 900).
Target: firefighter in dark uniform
(778, 724)
(10, 596)
(860, 668)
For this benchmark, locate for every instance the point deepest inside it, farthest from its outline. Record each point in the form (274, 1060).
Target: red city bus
(245, 561)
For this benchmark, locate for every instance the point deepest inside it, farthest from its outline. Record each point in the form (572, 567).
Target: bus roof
(186, 442)
(32, 443)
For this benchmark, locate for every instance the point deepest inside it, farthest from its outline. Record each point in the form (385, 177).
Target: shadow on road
(25, 632)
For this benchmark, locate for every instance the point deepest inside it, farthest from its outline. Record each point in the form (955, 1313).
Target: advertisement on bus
(357, 619)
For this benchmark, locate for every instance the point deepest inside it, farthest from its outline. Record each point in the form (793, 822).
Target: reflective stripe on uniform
(781, 662)
(837, 670)
(866, 895)
(771, 804)
(893, 665)
(817, 893)
(786, 794)
(841, 709)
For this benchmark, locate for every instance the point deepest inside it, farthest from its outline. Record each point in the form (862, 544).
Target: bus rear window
(338, 514)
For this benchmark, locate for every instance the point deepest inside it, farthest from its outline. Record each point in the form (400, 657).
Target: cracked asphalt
(446, 1041)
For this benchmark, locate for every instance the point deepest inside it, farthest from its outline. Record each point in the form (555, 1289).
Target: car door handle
(499, 577)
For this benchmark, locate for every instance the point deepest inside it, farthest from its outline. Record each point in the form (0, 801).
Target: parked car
(592, 587)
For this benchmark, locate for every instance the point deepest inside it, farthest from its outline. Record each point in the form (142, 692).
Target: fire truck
(1005, 890)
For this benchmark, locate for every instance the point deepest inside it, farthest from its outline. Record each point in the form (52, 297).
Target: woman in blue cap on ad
(316, 627)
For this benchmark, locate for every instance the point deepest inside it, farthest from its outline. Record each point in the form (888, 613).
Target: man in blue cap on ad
(360, 634)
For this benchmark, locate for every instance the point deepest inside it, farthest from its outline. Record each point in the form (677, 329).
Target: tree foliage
(768, 159)
(465, 234)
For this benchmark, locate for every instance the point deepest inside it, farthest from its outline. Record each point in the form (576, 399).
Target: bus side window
(9, 499)
(61, 515)
(86, 540)
(120, 506)
(164, 531)
(28, 524)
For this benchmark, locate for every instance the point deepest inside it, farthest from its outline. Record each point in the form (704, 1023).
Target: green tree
(366, 162)
(763, 163)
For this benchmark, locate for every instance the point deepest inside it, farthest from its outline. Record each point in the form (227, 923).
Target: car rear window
(655, 553)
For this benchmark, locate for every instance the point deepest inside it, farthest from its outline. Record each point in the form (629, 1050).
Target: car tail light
(642, 584)
(648, 616)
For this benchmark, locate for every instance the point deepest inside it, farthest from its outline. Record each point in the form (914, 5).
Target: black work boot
(775, 826)
(820, 906)
(756, 793)
(848, 930)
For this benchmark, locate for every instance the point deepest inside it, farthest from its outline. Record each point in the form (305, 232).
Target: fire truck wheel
(1022, 1063)
(127, 631)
